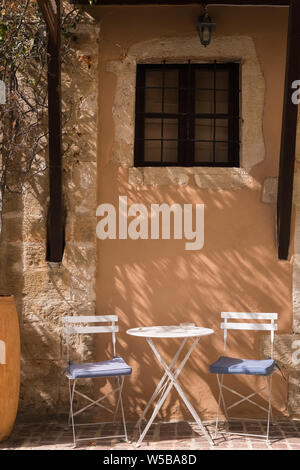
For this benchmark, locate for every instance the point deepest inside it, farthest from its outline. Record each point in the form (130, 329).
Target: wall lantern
(205, 28)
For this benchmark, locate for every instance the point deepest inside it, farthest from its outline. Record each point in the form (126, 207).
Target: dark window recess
(187, 115)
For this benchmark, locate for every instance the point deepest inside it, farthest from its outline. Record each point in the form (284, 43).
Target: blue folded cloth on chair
(231, 365)
(111, 368)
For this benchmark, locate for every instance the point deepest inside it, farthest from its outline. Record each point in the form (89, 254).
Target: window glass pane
(170, 151)
(204, 129)
(204, 101)
(153, 128)
(221, 152)
(170, 129)
(170, 147)
(221, 129)
(203, 152)
(171, 78)
(154, 78)
(152, 150)
(171, 101)
(222, 79)
(222, 102)
(153, 100)
(204, 78)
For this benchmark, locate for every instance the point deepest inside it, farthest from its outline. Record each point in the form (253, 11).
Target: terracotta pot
(9, 365)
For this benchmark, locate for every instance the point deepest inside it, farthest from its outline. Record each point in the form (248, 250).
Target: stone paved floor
(285, 435)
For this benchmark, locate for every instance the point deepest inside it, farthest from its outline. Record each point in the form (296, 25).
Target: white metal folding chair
(228, 365)
(114, 368)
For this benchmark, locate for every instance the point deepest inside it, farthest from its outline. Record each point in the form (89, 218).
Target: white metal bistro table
(170, 377)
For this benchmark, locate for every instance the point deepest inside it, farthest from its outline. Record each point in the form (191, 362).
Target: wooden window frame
(186, 114)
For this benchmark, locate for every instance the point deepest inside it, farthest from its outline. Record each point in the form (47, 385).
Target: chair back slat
(254, 326)
(249, 316)
(85, 330)
(249, 326)
(90, 319)
(81, 325)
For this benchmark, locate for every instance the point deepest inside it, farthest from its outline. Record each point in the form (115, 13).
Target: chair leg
(70, 395)
(118, 401)
(221, 397)
(270, 405)
(71, 415)
(219, 403)
(122, 408)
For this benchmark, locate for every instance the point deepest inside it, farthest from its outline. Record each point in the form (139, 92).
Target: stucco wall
(148, 282)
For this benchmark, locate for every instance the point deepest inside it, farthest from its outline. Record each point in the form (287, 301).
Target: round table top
(172, 331)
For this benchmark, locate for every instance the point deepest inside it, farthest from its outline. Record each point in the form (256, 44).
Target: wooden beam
(55, 222)
(288, 136)
(55, 232)
(186, 2)
(50, 14)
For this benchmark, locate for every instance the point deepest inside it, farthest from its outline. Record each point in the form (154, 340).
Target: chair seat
(231, 365)
(111, 368)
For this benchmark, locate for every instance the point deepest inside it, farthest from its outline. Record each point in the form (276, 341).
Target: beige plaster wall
(157, 282)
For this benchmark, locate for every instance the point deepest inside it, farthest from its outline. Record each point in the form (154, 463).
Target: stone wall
(45, 292)
(287, 346)
(293, 340)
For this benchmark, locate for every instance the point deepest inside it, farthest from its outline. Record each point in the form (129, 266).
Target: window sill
(217, 178)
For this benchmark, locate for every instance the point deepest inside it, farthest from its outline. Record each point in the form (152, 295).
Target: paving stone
(161, 436)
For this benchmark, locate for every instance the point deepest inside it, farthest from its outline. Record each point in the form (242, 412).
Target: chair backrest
(74, 325)
(230, 324)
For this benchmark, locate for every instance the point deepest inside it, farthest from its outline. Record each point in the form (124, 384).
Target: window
(187, 115)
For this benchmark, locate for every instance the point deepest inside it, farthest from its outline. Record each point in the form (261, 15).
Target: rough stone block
(222, 178)
(11, 255)
(269, 194)
(35, 255)
(294, 393)
(296, 195)
(297, 231)
(34, 229)
(167, 176)
(12, 203)
(85, 228)
(52, 312)
(84, 175)
(47, 284)
(296, 293)
(12, 228)
(80, 259)
(38, 394)
(286, 350)
(40, 340)
(11, 272)
(35, 202)
(136, 176)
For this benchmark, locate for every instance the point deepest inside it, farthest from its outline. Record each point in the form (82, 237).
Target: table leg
(193, 412)
(172, 376)
(156, 410)
(160, 385)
